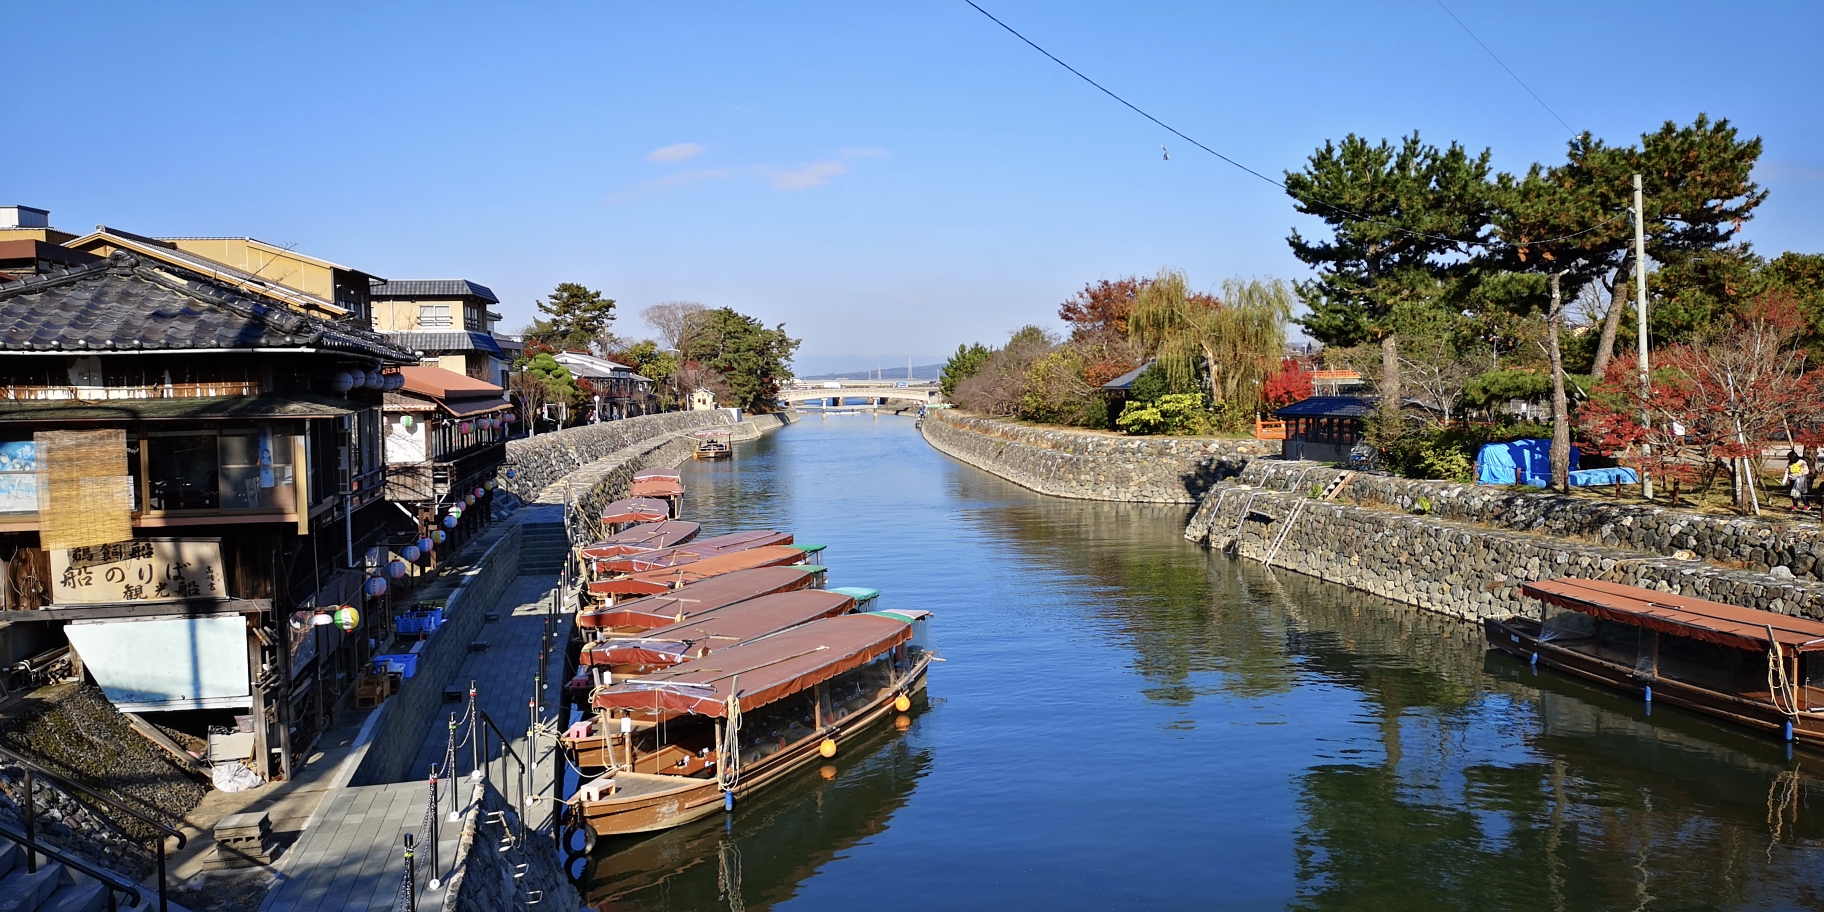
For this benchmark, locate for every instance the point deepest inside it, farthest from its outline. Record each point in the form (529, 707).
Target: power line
(1348, 214)
(1504, 66)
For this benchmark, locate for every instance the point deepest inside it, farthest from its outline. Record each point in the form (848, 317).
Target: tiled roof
(444, 341)
(590, 366)
(271, 405)
(125, 304)
(1328, 407)
(431, 288)
(240, 279)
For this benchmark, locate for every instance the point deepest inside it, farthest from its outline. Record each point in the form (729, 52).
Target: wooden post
(257, 696)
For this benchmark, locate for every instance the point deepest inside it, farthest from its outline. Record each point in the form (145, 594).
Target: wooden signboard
(142, 570)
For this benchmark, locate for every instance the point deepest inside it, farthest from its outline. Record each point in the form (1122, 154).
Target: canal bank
(1334, 749)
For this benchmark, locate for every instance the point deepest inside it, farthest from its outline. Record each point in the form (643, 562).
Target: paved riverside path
(349, 858)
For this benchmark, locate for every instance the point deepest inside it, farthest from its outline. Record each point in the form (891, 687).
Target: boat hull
(1518, 637)
(701, 798)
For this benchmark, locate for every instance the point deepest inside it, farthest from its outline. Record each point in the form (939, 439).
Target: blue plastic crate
(403, 664)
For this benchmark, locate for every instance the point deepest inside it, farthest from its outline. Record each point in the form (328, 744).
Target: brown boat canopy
(653, 582)
(643, 537)
(706, 633)
(656, 486)
(762, 671)
(656, 611)
(657, 473)
(693, 552)
(635, 509)
(1682, 615)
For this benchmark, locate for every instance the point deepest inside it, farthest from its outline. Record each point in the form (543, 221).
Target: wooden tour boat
(1748, 666)
(689, 553)
(635, 510)
(714, 444)
(665, 579)
(694, 739)
(642, 538)
(653, 611)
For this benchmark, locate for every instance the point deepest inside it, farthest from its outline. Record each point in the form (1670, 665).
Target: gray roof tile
(431, 288)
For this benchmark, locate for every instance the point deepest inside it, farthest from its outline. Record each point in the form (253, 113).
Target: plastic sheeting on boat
(643, 537)
(722, 629)
(635, 509)
(694, 600)
(1681, 615)
(652, 582)
(694, 551)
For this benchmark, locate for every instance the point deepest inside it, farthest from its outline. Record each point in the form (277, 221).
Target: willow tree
(1239, 341)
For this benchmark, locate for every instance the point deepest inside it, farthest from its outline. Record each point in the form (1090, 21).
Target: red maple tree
(1291, 384)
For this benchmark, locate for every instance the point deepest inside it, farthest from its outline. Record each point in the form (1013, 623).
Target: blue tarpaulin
(1591, 477)
(1518, 462)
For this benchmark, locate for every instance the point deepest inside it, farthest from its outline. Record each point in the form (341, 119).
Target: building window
(248, 469)
(434, 316)
(471, 319)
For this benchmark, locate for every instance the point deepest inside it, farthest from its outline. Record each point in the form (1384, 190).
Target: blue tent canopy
(1518, 462)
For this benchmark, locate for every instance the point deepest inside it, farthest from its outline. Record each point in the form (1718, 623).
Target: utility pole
(1640, 314)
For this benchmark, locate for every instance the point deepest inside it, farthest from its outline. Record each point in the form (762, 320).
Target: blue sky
(886, 179)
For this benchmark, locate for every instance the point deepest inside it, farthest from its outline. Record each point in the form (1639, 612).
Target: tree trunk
(1561, 421)
(1605, 344)
(1390, 377)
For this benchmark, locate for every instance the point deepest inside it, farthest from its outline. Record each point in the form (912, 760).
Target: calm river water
(1128, 721)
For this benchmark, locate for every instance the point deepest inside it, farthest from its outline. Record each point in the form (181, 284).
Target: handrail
(113, 882)
(114, 803)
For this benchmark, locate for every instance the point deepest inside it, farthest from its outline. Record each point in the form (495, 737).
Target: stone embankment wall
(406, 717)
(1747, 543)
(486, 877)
(1086, 465)
(1463, 569)
(594, 486)
(539, 462)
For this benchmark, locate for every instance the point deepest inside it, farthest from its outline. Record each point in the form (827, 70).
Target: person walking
(1797, 478)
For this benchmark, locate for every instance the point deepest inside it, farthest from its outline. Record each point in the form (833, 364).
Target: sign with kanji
(142, 570)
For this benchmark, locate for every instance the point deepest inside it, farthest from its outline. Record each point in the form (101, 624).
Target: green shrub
(1173, 414)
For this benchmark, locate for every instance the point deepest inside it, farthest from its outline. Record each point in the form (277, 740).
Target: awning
(642, 538)
(722, 629)
(269, 405)
(653, 582)
(655, 611)
(763, 671)
(459, 395)
(1681, 615)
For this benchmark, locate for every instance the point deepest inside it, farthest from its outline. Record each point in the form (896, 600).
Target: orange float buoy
(827, 748)
(902, 703)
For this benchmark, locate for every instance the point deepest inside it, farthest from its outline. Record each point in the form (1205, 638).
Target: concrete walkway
(349, 858)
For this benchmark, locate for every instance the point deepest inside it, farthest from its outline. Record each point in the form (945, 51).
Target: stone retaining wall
(407, 716)
(539, 462)
(1460, 569)
(1086, 465)
(486, 878)
(1733, 542)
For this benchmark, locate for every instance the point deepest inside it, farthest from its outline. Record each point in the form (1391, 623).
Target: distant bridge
(876, 392)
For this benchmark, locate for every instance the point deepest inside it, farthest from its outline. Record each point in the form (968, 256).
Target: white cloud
(669, 182)
(675, 153)
(815, 174)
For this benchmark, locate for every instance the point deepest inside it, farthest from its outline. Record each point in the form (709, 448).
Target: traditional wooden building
(448, 323)
(446, 436)
(190, 474)
(1324, 428)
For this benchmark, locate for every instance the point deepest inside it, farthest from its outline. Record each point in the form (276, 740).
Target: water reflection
(781, 836)
(1129, 721)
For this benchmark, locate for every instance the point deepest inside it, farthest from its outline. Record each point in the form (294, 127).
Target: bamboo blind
(85, 497)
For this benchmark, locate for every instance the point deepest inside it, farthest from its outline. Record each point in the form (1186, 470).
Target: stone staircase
(53, 888)
(543, 547)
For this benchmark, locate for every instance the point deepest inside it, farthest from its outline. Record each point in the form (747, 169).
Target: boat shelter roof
(721, 629)
(656, 611)
(644, 537)
(665, 579)
(680, 555)
(1682, 615)
(635, 509)
(1328, 407)
(656, 486)
(657, 473)
(762, 671)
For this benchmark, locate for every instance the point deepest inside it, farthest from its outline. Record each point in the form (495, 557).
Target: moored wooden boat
(654, 611)
(642, 538)
(635, 510)
(1748, 666)
(689, 553)
(745, 717)
(665, 579)
(714, 444)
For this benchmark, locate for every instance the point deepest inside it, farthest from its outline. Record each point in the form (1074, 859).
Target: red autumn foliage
(1291, 384)
(1102, 308)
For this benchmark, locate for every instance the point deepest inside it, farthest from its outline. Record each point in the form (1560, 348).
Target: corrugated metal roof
(431, 288)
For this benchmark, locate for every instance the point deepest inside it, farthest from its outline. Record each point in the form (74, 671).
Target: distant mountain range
(919, 372)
